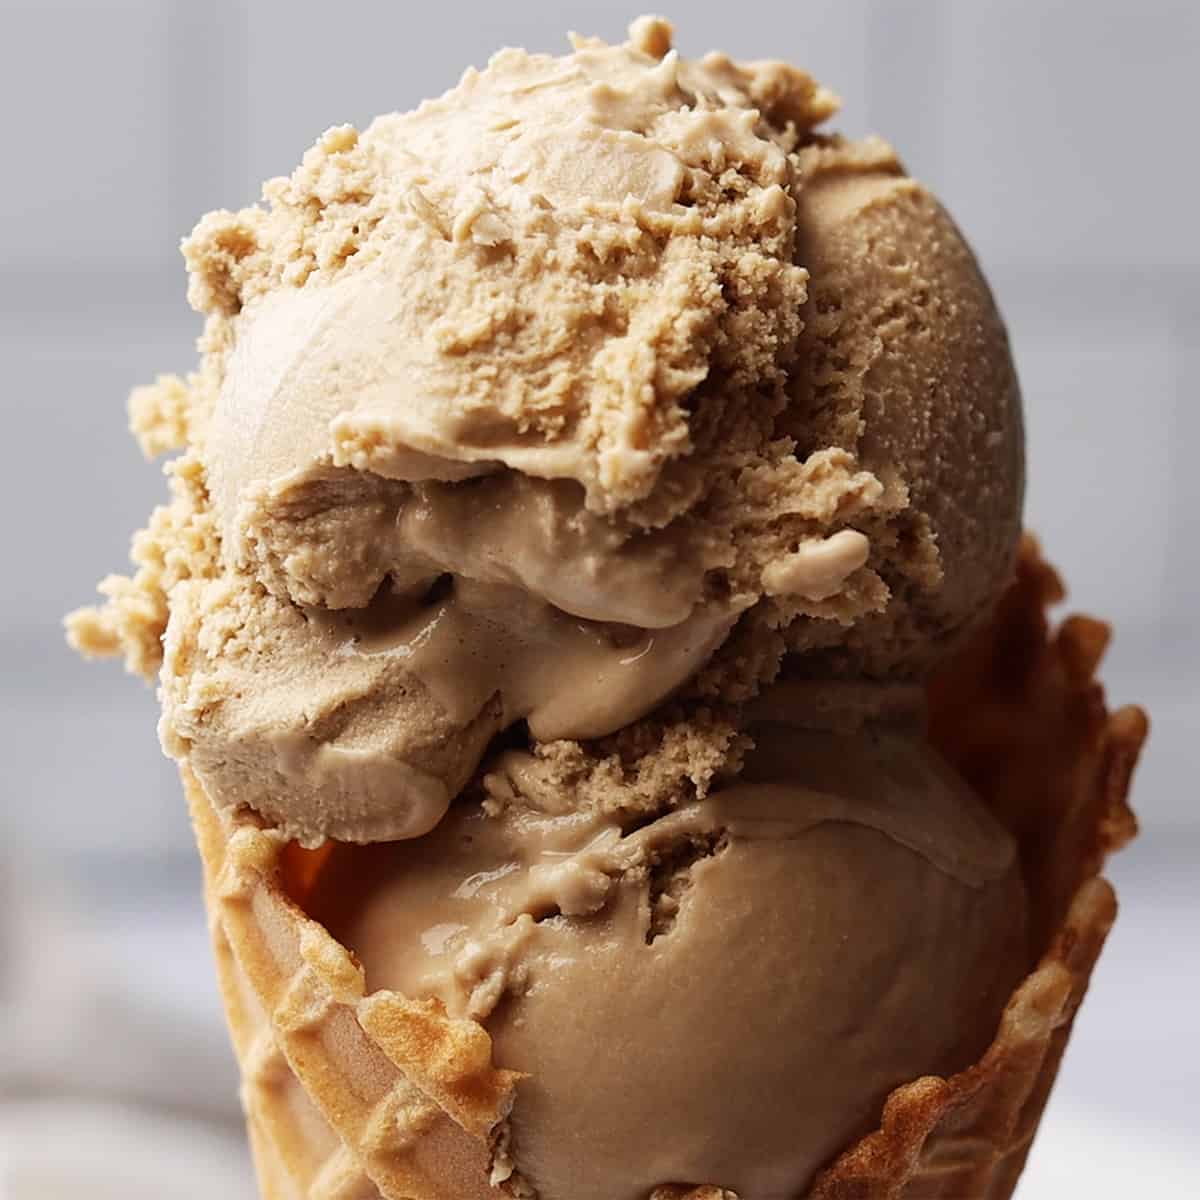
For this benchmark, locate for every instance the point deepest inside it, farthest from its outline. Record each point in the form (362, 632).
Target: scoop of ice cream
(600, 382)
(532, 271)
(904, 361)
(724, 995)
(363, 724)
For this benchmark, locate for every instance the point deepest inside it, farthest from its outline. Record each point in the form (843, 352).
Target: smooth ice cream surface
(725, 994)
(581, 396)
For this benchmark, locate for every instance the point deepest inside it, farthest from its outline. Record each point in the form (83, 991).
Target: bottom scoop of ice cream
(725, 995)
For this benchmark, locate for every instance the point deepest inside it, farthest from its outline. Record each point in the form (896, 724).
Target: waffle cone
(350, 1095)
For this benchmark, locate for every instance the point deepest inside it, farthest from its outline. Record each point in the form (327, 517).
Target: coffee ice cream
(726, 993)
(583, 474)
(733, 392)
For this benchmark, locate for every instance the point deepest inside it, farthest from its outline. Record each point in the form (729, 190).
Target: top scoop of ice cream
(599, 381)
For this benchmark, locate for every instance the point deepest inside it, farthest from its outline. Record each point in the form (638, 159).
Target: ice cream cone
(351, 1095)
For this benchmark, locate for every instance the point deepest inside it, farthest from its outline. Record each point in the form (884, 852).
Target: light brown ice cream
(905, 361)
(537, 434)
(362, 724)
(725, 994)
(607, 363)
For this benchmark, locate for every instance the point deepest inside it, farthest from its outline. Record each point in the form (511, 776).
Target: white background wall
(1061, 135)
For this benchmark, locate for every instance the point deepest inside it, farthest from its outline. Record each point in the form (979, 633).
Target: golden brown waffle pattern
(346, 1096)
(350, 1096)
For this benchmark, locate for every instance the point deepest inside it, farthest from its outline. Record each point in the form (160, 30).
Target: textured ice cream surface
(582, 475)
(724, 994)
(580, 396)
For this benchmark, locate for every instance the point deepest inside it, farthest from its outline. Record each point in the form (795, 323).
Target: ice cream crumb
(159, 415)
(819, 566)
(651, 35)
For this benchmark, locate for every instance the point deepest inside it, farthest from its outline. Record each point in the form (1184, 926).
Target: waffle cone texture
(352, 1095)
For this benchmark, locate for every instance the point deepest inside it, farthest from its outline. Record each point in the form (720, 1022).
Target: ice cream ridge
(585, 477)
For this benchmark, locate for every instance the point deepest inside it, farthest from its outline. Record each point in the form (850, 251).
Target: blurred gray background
(1062, 137)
